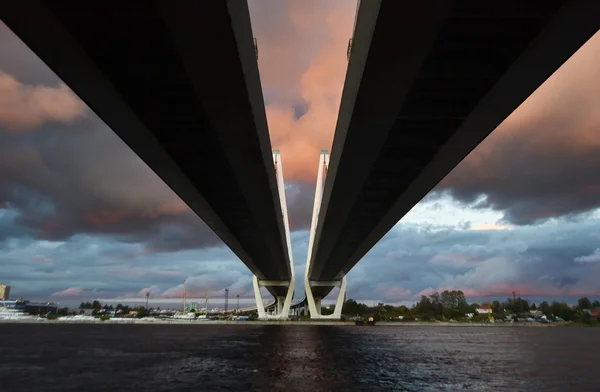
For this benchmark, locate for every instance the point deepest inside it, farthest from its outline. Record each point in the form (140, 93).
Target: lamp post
(147, 296)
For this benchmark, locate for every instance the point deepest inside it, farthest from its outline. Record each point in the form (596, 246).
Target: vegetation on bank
(99, 310)
(452, 305)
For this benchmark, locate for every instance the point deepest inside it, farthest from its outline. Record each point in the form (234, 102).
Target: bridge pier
(283, 304)
(314, 303)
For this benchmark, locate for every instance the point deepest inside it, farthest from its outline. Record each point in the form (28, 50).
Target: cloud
(60, 184)
(69, 293)
(42, 260)
(592, 258)
(300, 198)
(543, 161)
(302, 61)
(422, 258)
(25, 107)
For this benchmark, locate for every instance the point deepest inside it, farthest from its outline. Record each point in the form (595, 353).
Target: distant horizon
(245, 302)
(82, 216)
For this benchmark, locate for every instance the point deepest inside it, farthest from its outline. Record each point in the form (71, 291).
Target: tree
(584, 303)
(517, 306)
(453, 303)
(545, 308)
(353, 308)
(142, 312)
(596, 304)
(533, 307)
(497, 309)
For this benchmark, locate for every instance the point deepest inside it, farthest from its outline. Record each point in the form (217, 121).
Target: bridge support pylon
(314, 304)
(283, 303)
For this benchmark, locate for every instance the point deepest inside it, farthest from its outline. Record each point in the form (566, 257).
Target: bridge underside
(179, 83)
(427, 82)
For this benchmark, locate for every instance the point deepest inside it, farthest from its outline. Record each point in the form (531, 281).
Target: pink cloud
(24, 107)
(152, 290)
(302, 62)
(70, 292)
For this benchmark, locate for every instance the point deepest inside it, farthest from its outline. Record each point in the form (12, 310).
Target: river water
(36, 357)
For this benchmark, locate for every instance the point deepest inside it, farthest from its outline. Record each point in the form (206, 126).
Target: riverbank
(276, 322)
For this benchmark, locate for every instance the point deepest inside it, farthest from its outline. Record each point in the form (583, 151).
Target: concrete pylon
(282, 309)
(314, 304)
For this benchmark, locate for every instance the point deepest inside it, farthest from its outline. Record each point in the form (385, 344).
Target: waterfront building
(30, 307)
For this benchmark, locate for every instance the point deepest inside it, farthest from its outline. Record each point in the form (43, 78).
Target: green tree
(584, 303)
(454, 303)
(353, 308)
(596, 304)
(497, 309)
(142, 312)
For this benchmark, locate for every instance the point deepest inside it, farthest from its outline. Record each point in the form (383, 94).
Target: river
(35, 357)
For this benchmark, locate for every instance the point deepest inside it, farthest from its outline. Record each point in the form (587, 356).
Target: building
(4, 291)
(484, 309)
(20, 305)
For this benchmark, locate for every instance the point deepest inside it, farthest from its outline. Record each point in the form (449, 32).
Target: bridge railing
(349, 49)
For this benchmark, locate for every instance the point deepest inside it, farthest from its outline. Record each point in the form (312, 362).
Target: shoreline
(277, 322)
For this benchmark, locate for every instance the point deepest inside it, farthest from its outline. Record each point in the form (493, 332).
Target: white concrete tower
(282, 310)
(314, 304)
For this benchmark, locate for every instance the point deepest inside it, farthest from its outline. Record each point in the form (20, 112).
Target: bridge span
(178, 82)
(427, 81)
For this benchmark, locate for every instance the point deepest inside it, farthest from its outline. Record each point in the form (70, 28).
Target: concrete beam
(179, 83)
(393, 42)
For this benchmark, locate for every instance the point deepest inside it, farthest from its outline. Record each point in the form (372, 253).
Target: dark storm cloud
(300, 198)
(543, 161)
(535, 260)
(65, 180)
(91, 267)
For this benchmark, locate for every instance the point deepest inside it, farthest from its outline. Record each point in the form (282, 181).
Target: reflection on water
(296, 358)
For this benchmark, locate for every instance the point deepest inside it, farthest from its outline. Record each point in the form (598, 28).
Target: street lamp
(147, 296)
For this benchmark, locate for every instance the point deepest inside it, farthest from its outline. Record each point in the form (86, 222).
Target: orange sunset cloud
(302, 61)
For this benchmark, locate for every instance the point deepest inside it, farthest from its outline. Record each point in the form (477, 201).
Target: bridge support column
(283, 303)
(314, 304)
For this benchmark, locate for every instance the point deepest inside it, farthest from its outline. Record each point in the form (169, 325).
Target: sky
(82, 217)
